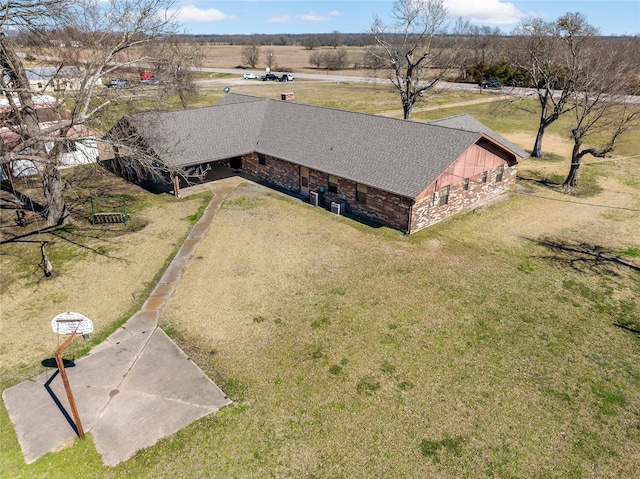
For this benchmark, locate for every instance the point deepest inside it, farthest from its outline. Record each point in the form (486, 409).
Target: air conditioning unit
(314, 198)
(337, 208)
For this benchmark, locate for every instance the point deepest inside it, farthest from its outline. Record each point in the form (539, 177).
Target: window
(361, 193)
(262, 160)
(465, 184)
(483, 178)
(444, 195)
(333, 184)
(69, 146)
(499, 173)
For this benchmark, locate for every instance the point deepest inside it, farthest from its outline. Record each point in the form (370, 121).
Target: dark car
(269, 77)
(117, 83)
(492, 84)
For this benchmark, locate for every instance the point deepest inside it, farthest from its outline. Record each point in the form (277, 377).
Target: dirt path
(492, 98)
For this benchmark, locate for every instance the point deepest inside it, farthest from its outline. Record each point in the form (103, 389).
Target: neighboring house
(48, 109)
(403, 174)
(46, 79)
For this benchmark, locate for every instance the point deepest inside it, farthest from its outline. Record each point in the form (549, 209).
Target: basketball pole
(67, 387)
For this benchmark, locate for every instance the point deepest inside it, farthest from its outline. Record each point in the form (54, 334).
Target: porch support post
(176, 186)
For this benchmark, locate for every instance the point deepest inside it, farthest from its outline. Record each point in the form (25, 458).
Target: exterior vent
(314, 198)
(337, 208)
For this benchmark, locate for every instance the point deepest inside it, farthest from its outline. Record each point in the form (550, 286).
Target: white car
(250, 76)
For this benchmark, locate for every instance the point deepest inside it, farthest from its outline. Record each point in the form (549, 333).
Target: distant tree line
(307, 40)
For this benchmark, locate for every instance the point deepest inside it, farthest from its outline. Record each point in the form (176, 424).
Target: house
(79, 147)
(403, 174)
(45, 79)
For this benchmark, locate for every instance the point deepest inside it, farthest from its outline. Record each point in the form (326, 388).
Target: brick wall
(425, 213)
(386, 208)
(279, 172)
(381, 206)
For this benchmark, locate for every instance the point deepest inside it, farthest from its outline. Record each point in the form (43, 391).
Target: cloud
(335, 13)
(486, 12)
(312, 17)
(280, 19)
(191, 13)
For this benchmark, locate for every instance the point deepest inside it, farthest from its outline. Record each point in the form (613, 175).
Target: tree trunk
(47, 164)
(57, 212)
(407, 107)
(183, 98)
(537, 147)
(572, 177)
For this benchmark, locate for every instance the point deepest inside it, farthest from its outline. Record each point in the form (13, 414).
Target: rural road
(337, 79)
(512, 91)
(313, 76)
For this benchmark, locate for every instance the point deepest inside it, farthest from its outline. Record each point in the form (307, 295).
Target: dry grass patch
(286, 58)
(102, 272)
(462, 351)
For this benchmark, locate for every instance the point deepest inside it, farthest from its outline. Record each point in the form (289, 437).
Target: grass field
(504, 342)
(287, 58)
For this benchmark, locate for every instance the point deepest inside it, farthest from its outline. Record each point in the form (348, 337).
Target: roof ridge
(332, 109)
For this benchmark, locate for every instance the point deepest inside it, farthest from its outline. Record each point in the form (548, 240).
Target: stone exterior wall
(425, 213)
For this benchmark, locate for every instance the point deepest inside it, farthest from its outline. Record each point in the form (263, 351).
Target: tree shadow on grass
(585, 257)
(619, 267)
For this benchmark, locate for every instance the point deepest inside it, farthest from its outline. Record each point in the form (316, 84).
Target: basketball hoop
(69, 323)
(72, 325)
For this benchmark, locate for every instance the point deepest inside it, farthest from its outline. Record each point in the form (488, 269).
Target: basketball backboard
(69, 323)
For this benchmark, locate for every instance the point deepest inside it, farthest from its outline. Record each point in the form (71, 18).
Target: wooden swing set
(112, 217)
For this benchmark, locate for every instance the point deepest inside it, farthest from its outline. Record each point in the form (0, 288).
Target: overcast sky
(613, 17)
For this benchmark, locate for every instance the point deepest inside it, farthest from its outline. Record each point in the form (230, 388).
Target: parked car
(269, 77)
(117, 83)
(492, 84)
(250, 76)
(286, 77)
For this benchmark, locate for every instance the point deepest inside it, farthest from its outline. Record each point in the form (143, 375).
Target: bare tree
(251, 52)
(310, 42)
(329, 60)
(407, 50)
(600, 105)
(175, 58)
(335, 39)
(484, 40)
(108, 39)
(316, 58)
(552, 53)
